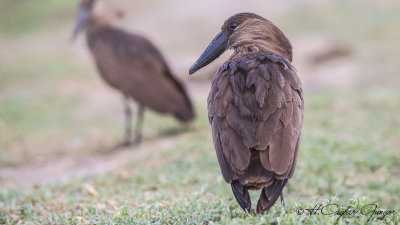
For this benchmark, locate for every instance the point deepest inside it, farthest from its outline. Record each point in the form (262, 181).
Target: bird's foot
(128, 142)
(120, 146)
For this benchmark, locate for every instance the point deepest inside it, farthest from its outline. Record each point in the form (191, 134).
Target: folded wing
(256, 104)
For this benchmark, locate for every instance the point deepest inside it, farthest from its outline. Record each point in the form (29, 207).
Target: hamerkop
(133, 65)
(255, 108)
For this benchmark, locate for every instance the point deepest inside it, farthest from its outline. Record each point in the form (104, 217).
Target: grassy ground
(53, 106)
(342, 160)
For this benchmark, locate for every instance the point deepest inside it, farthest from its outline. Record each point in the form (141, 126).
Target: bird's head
(94, 12)
(245, 33)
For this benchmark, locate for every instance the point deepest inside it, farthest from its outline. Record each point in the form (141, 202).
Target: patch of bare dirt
(62, 171)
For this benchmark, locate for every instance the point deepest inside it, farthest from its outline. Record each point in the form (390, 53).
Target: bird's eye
(233, 26)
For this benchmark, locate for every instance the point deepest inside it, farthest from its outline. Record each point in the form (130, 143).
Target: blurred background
(54, 106)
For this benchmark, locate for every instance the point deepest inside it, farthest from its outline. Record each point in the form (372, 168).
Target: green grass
(18, 17)
(22, 119)
(28, 68)
(341, 19)
(342, 161)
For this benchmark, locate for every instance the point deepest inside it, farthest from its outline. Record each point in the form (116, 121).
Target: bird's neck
(96, 26)
(99, 23)
(254, 46)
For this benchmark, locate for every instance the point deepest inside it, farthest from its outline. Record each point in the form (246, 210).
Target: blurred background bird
(133, 65)
(255, 108)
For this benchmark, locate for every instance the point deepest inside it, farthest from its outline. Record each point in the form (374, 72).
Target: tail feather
(242, 195)
(185, 113)
(269, 195)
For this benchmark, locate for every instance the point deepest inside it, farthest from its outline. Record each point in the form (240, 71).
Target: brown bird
(255, 108)
(133, 65)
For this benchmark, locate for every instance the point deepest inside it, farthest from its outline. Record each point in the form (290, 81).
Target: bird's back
(256, 112)
(133, 65)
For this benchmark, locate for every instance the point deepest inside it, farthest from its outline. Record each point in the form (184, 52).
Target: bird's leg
(128, 122)
(283, 200)
(128, 127)
(139, 125)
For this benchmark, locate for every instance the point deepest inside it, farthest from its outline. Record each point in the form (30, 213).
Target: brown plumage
(255, 108)
(133, 65)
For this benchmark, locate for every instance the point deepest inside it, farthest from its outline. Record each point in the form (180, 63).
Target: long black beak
(213, 51)
(81, 22)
